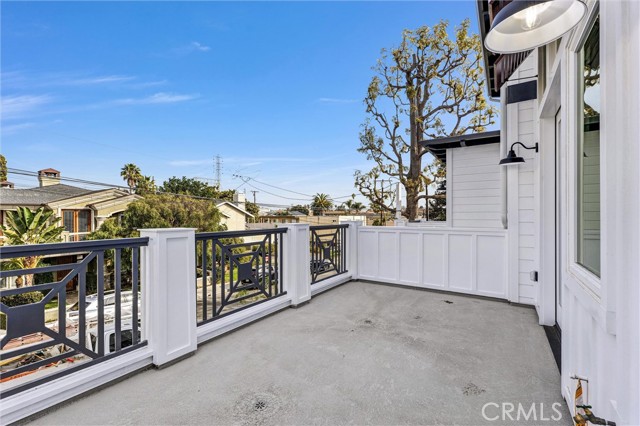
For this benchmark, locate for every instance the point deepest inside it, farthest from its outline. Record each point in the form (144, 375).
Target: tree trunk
(412, 185)
(411, 211)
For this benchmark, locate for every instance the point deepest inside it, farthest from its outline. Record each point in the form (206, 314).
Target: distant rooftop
(438, 147)
(40, 195)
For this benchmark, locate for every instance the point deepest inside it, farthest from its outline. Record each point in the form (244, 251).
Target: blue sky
(274, 88)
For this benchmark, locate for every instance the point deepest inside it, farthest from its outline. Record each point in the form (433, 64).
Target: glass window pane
(84, 217)
(588, 250)
(68, 221)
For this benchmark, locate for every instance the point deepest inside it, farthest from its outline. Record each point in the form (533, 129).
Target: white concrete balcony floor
(361, 353)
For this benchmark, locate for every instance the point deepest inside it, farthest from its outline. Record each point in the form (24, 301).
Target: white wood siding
(474, 183)
(523, 190)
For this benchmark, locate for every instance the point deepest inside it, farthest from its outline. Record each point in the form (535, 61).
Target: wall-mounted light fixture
(526, 24)
(512, 158)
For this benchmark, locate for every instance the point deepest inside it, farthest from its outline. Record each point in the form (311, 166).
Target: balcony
(353, 351)
(361, 353)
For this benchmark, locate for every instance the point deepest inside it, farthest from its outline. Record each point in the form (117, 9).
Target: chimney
(6, 184)
(48, 177)
(240, 199)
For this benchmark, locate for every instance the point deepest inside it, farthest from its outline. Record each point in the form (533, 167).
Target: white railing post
(297, 261)
(352, 247)
(169, 293)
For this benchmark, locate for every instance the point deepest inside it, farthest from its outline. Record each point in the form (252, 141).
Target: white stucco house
(571, 209)
(234, 214)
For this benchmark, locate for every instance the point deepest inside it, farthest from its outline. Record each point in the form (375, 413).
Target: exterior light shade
(526, 24)
(512, 158)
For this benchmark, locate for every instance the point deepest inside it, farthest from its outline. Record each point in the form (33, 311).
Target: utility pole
(254, 192)
(217, 169)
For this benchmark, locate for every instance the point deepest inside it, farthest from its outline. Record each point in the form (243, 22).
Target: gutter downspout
(503, 154)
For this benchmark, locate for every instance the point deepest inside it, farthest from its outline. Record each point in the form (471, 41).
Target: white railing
(471, 261)
(459, 260)
(169, 311)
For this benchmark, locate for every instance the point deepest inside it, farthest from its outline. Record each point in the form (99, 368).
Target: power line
(112, 186)
(246, 180)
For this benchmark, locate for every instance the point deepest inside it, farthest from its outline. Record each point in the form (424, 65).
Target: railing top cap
(341, 225)
(9, 252)
(168, 229)
(233, 234)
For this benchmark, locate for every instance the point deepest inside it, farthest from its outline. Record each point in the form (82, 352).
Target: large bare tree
(429, 86)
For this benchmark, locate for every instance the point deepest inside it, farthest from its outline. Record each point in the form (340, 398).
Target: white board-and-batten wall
(474, 192)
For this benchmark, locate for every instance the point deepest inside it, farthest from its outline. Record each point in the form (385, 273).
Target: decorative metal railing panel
(328, 251)
(236, 270)
(45, 335)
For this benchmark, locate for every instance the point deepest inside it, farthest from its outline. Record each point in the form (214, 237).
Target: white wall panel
(460, 262)
(368, 254)
(433, 265)
(410, 254)
(388, 258)
(471, 261)
(491, 258)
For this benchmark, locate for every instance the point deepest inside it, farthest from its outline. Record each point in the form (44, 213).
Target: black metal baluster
(118, 298)
(223, 280)
(62, 310)
(100, 285)
(313, 255)
(82, 307)
(263, 261)
(214, 277)
(280, 264)
(204, 280)
(270, 266)
(134, 290)
(343, 249)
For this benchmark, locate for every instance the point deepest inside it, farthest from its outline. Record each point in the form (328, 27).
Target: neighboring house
(474, 197)
(571, 209)
(81, 210)
(234, 214)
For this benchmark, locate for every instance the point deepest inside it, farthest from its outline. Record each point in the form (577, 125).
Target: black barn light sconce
(512, 158)
(526, 24)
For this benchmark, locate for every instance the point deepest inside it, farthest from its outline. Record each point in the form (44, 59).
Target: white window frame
(587, 279)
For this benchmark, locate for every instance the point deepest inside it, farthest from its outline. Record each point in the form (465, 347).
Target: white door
(559, 209)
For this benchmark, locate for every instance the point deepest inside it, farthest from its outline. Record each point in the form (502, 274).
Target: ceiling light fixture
(526, 24)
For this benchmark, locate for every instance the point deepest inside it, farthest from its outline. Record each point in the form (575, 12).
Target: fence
(40, 344)
(471, 261)
(236, 270)
(328, 251)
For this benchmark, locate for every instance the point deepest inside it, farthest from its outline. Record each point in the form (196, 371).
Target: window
(76, 221)
(588, 153)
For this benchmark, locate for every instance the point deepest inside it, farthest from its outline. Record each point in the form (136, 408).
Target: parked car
(91, 306)
(319, 266)
(259, 274)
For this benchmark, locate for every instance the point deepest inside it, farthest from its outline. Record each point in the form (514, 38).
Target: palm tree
(27, 227)
(131, 174)
(358, 206)
(349, 205)
(146, 185)
(321, 202)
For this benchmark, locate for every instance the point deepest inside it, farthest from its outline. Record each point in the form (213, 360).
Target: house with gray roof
(81, 210)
